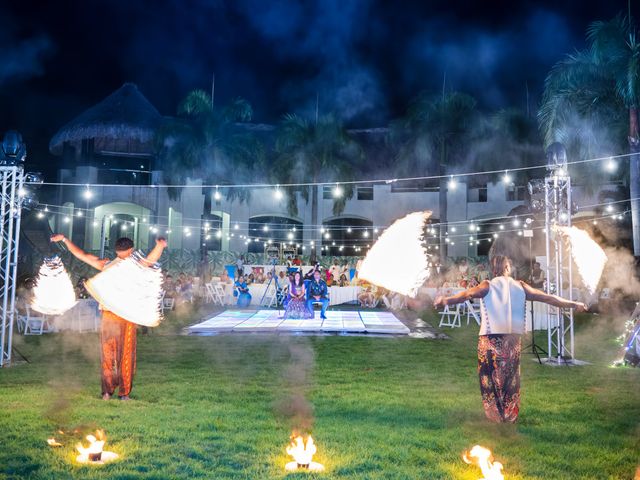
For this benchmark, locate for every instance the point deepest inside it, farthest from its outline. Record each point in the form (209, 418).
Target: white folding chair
(473, 310)
(210, 293)
(219, 293)
(167, 302)
(450, 317)
(36, 325)
(270, 296)
(21, 321)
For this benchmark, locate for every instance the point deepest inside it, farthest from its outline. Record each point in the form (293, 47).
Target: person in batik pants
(117, 335)
(502, 308)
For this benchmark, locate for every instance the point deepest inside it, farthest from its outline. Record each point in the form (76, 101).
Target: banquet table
(83, 317)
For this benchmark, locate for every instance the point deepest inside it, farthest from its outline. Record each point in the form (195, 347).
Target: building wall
(180, 220)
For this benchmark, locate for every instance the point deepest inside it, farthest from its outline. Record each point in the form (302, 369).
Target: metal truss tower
(11, 190)
(557, 211)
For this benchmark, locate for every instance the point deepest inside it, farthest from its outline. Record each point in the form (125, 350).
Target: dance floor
(270, 321)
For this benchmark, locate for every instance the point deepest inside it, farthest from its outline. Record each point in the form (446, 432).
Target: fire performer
(117, 336)
(502, 310)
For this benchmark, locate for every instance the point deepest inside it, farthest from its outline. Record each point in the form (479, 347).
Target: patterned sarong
(499, 372)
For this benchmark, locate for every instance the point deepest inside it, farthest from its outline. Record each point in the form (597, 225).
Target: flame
(302, 453)
(130, 288)
(53, 442)
(53, 292)
(398, 260)
(96, 446)
(587, 255)
(484, 459)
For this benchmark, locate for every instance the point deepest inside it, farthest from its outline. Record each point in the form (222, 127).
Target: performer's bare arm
(95, 262)
(476, 292)
(156, 253)
(539, 296)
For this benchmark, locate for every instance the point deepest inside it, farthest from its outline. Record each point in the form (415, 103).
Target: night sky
(364, 58)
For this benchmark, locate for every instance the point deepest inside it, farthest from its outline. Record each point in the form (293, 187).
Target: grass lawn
(383, 408)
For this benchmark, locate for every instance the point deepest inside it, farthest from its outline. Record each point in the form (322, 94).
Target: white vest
(503, 308)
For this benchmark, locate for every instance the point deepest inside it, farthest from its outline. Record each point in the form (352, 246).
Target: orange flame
(302, 453)
(94, 452)
(483, 458)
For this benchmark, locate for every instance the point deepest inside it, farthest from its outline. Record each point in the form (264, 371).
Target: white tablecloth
(83, 317)
(339, 295)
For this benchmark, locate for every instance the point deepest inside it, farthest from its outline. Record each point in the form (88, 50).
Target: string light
(337, 192)
(278, 193)
(506, 178)
(452, 183)
(87, 194)
(216, 195)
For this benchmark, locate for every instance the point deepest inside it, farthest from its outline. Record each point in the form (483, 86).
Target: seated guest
(367, 296)
(344, 282)
(474, 281)
(318, 292)
(250, 279)
(185, 287)
(224, 277)
(81, 291)
(335, 271)
(296, 261)
(242, 292)
(297, 305)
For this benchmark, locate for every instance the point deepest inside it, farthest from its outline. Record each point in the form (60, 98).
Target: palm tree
(599, 86)
(314, 152)
(434, 138)
(206, 142)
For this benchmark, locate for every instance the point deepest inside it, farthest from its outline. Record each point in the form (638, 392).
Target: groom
(318, 293)
(117, 335)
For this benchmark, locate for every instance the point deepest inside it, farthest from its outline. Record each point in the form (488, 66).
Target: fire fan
(130, 288)
(398, 260)
(53, 293)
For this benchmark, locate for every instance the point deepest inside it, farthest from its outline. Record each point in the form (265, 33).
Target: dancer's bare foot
(106, 396)
(125, 398)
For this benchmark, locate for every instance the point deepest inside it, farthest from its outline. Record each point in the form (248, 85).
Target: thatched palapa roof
(125, 114)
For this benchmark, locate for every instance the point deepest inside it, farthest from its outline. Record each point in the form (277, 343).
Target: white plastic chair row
(450, 317)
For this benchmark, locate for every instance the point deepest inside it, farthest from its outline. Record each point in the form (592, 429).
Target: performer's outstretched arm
(156, 253)
(476, 292)
(95, 262)
(539, 296)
